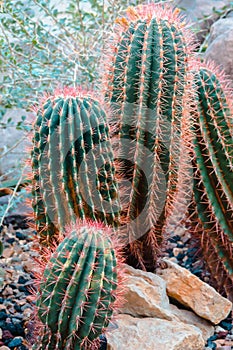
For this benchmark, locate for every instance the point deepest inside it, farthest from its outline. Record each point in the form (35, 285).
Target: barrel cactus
(72, 163)
(148, 87)
(78, 288)
(213, 180)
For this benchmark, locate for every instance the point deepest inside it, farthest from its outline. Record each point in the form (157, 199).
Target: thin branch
(55, 20)
(13, 147)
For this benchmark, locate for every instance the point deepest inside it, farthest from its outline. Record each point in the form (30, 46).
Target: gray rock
(9, 137)
(220, 45)
(198, 9)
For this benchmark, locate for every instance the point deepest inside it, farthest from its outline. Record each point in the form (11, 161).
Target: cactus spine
(77, 290)
(72, 162)
(213, 183)
(147, 85)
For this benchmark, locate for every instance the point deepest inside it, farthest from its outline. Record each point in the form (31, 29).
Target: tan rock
(222, 344)
(29, 266)
(7, 291)
(27, 312)
(177, 251)
(145, 295)
(190, 291)
(189, 317)
(8, 252)
(153, 334)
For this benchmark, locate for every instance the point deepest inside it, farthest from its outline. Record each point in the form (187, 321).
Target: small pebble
(10, 240)
(8, 252)
(219, 329)
(226, 325)
(22, 280)
(3, 315)
(29, 266)
(177, 251)
(15, 342)
(20, 235)
(229, 336)
(7, 291)
(15, 320)
(7, 335)
(26, 306)
(103, 343)
(27, 312)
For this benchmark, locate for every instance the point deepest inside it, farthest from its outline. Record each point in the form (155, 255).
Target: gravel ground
(16, 278)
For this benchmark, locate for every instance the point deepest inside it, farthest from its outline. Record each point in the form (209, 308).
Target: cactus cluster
(77, 289)
(164, 110)
(147, 85)
(72, 163)
(213, 180)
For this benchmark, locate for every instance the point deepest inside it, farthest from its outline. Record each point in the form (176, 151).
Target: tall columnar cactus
(213, 183)
(78, 289)
(72, 163)
(148, 86)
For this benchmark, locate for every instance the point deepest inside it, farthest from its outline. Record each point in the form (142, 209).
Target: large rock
(153, 333)
(145, 295)
(190, 291)
(201, 10)
(190, 318)
(220, 45)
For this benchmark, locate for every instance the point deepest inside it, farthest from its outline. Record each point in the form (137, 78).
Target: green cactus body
(213, 183)
(72, 164)
(78, 289)
(147, 88)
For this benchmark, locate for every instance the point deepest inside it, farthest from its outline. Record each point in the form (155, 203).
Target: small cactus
(147, 85)
(78, 288)
(213, 181)
(72, 163)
